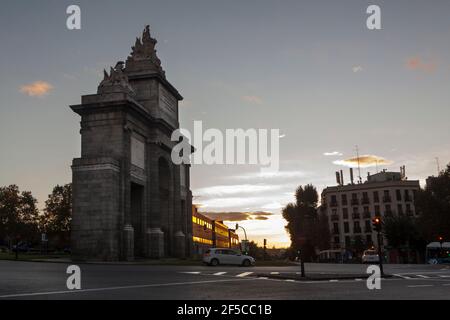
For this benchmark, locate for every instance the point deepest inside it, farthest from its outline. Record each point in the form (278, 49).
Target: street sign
(44, 237)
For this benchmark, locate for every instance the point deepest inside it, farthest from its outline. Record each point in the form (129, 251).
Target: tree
(58, 215)
(433, 205)
(18, 215)
(307, 229)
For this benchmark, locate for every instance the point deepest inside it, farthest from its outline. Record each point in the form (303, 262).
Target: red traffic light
(441, 239)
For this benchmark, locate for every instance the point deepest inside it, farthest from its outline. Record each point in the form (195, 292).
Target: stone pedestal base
(155, 243)
(128, 242)
(180, 245)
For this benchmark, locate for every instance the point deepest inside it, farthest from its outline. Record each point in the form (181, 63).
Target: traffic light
(441, 239)
(376, 223)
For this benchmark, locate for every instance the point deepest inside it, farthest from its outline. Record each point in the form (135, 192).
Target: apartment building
(208, 233)
(350, 208)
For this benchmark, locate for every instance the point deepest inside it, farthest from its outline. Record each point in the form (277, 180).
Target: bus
(437, 253)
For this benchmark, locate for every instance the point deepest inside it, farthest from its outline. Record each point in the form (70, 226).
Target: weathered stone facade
(129, 199)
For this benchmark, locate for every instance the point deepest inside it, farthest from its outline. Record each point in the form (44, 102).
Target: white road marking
(219, 273)
(421, 276)
(264, 278)
(421, 286)
(274, 272)
(443, 276)
(447, 284)
(192, 272)
(118, 288)
(244, 274)
(290, 280)
(358, 279)
(334, 280)
(404, 277)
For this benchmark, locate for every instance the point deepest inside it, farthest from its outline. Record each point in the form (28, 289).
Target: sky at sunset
(309, 68)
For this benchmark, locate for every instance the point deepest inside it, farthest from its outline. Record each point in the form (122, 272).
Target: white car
(370, 256)
(216, 256)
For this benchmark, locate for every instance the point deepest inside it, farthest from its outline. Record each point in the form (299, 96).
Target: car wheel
(214, 262)
(246, 263)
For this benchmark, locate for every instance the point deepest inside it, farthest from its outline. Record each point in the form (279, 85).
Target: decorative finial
(143, 55)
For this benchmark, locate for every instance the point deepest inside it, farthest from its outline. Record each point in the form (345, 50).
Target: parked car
(216, 256)
(370, 256)
(21, 247)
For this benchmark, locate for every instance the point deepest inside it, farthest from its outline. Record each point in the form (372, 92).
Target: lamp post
(245, 234)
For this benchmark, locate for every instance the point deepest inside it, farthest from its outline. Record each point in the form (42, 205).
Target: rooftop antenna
(359, 166)
(438, 166)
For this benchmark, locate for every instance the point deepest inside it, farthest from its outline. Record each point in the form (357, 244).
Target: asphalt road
(33, 280)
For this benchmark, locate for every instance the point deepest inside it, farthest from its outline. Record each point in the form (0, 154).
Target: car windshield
(370, 253)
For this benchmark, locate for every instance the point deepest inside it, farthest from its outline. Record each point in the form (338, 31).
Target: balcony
(356, 215)
(345, 215)
(408, 199)
(387, 199)
(366, 215)
(376, 199)
(409, 213)
(336, 231)
(368, 230)
(365, 201)
(334, 217)
(344, 202)
(354, 202)
(357, 230)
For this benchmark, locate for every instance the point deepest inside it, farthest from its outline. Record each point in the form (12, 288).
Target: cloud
(36, 89)
(237, 216)
(357, 69)
(252, 99)
(334, 153)
(365, 161)
(236, 189)
(417, 64)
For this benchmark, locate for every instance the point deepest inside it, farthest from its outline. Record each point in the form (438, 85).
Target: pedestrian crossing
(294, 276)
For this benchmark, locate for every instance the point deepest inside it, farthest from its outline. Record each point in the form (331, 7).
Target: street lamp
(245, 234)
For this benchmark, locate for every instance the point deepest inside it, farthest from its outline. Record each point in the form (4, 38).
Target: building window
(376, 197)
(333, 200)
(369, 240)
(365, 199)
(368, 227)
(335, 228)
(377, 211)
(346, 227)
(356, 227)
(398, 195)
(386, 196)
(344, 199)
(345, 213)
(400, 209)
(407, 197)
(336, 240)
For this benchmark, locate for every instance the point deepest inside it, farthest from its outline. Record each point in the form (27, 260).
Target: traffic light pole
(380, 253)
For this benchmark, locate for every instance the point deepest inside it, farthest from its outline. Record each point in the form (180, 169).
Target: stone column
(126, 195)
(128, 239)
(154, 234)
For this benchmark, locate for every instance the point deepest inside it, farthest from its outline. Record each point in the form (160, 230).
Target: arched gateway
(129, 199)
